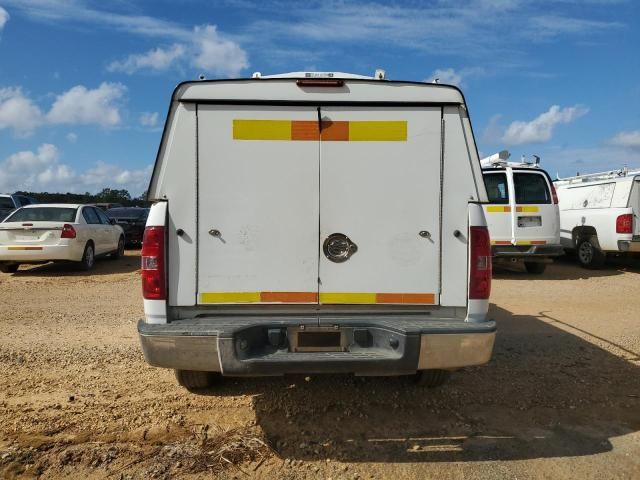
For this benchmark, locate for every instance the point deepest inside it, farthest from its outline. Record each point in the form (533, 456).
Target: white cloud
(42, 171)
(451, 76)
(540, 129)
(149, 119)
(216, 54)
(630, 139)
(71, 137)
(81, 105)
(4, 18)
(157, 59)
(447, 75)
(18, 111)
(206, 50)
(548, 26)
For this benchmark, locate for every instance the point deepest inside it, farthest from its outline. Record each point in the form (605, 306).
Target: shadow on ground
(546, 393)
(567, 268)
(103, 266)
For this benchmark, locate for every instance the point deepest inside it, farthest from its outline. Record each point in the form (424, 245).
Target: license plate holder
(530, 221)
(306, 338)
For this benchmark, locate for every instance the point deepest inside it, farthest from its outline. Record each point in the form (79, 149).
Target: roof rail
(592, 177)
(501, 158)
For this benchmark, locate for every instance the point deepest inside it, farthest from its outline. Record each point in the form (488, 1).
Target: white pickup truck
(316, 223)
(600, 214)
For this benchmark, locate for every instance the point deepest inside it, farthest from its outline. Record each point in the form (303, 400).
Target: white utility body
(600, 214)
(316, 222)
(522, 212)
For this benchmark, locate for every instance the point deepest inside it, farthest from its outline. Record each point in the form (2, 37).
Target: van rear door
(535, 216)
(380, 203)
(257, 204)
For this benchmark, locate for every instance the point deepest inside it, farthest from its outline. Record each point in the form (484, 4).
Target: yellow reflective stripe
(394, 131)
(358, 131)
(498, 209)
(367, 298)
(527, 209)
(24, 248)
(262, 129)
(230, 297)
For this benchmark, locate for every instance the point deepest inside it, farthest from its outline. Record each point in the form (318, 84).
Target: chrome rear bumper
(373, 346)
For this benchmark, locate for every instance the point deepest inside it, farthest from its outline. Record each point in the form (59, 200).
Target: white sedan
(58, 232)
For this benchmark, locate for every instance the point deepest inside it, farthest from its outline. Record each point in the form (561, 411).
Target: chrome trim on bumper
(455, 350)
(181, 353)
(629, 246)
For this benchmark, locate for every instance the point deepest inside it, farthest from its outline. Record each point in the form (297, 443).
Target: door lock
(338, 247)
(424, 234)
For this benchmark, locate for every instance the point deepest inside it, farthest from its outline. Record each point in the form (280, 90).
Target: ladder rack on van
(501, 158)
(592, 177)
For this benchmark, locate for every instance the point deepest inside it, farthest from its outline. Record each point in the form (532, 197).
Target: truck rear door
(257, 204)
(380, 202)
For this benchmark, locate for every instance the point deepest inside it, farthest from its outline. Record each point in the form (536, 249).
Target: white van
(600, 214)
(316, 223)
(522, 212)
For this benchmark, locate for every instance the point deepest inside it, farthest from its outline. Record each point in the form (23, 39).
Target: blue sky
(85, 85)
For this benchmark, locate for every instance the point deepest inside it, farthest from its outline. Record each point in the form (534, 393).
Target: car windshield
(127, 213)
(6, 202)
(43, 214)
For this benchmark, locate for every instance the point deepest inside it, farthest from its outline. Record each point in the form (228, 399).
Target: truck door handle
(215, 233)
(424, 234)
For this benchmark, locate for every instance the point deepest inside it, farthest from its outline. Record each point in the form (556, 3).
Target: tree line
(107, 195)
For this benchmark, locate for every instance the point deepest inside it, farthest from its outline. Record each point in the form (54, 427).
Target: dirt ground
(560, 398)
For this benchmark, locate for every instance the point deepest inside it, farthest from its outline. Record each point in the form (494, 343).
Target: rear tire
(88, 258)
(195, 380)
(9, 268)
(119, 253)
(589, 254)
(431, 378)
(537, 268)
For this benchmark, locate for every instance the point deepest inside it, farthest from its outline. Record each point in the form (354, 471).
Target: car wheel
(194, 380)
(9, 267)
(88, 258)
(535, 267)
(119, 253)
(589, 255)
(431, 378)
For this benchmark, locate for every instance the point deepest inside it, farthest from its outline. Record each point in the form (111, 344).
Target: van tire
(536, 268)
(119, 253)
(589, 253)
(88, 257)
(9, 267)
(195, 380)
(431, 378)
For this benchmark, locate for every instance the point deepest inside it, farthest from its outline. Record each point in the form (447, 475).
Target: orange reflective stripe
(335, 131)
(289, 297)
(421, 298)
(304, 130)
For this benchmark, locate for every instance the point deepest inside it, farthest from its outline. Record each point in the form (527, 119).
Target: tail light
(68, 231)
(554, 194)
(152, 264)
(480, 260)
(624, 223)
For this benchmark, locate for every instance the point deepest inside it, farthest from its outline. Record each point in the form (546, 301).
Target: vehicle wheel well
(583, 232)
